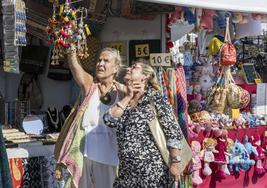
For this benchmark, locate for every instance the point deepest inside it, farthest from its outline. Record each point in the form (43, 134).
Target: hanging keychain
(53, 36)
(81, 38)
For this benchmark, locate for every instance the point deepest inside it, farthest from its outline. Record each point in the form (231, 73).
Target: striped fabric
(167, 85)
(181, 98)
(172, 87)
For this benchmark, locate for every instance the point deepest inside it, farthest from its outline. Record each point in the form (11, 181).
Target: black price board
(143, 48)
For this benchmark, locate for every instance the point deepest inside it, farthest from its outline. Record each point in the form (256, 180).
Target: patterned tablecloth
(33, 166)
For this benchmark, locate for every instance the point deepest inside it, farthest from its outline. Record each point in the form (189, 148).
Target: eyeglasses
(135, 66)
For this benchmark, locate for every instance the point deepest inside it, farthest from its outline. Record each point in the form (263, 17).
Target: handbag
(228, 51)
(216, 96)
(237, 97)
(159, 136)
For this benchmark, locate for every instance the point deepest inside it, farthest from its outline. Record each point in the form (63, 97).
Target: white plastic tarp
(255, 6)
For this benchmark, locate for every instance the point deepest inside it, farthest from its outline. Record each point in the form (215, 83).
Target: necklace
(55, 123)
(106, 97)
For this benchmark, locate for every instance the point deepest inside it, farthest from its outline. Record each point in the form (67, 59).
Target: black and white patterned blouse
(141, 164)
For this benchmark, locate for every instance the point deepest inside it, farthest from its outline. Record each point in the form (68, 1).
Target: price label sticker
(258, 80)
(236, 113)
(160, 59)
(118, 46)
(141, 50)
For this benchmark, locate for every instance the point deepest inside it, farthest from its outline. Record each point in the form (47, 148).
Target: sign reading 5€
(141, 50)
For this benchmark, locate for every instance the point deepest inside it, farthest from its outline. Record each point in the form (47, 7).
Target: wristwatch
(176, 159)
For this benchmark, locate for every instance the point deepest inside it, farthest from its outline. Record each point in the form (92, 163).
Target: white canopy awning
(255, 6)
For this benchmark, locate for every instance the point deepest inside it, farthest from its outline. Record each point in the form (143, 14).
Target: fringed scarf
(70, 144)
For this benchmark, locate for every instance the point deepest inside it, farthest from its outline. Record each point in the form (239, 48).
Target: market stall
(210, 61)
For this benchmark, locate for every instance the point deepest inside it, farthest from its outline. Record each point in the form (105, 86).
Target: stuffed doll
(239, 158)
(193, 128)
(249, 150)
(220, 156)
(252, 120)
(194, 106)
(256, 142)
(229, 144)
(208, 156)
(205, 81)
(196, 162)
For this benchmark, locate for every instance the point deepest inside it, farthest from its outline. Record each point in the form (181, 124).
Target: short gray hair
(115, 53)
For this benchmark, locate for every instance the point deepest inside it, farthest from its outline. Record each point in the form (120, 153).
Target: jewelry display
(53, 119)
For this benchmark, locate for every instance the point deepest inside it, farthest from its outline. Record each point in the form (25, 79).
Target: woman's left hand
(175, 171)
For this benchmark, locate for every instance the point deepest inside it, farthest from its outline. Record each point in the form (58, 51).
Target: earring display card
(20, 23)
(14, 31)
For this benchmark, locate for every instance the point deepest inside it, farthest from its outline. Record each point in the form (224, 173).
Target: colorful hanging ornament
(65, 29)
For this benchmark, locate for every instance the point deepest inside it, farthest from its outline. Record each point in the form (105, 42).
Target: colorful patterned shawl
(70, 144)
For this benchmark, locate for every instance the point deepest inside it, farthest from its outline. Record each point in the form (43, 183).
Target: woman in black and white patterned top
(141, 164)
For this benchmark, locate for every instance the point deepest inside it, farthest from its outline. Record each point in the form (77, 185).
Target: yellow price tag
(258, 80)
(141, 50)
(118, 46)
(236, 113)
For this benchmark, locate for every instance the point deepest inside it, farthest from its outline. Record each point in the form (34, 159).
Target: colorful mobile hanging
(66, 28)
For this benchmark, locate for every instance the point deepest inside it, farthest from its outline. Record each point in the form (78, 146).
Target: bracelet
(176, 159)
(71, 50)
(120, 106)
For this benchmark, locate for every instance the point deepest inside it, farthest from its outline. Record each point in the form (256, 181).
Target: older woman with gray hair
(92, 158)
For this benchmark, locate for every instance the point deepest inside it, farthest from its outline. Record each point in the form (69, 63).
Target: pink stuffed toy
(208, 156)
(196, 163)
(256, 142)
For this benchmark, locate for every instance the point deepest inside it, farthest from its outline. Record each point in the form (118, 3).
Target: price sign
(258, 80)
(160, 59)
(236, 113)
(118, 46)
(141, 50)
(121, 46)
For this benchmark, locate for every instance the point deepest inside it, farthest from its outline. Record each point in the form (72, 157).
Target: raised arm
(83, 78)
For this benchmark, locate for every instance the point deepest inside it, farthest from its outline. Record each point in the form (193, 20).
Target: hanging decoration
(65, 28)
